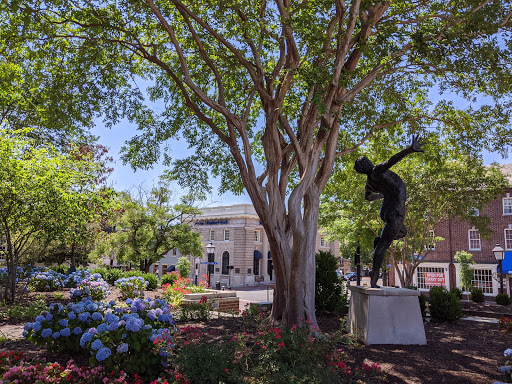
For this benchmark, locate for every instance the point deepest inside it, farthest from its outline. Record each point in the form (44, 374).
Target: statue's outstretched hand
(416, 144)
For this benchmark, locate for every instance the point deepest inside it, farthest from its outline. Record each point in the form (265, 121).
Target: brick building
(460, 236)
(240, 242)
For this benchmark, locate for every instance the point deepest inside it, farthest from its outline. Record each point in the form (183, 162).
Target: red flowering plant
(175, 291)
(505, 323)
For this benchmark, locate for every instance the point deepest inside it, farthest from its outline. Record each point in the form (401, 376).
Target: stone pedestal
(386, 316)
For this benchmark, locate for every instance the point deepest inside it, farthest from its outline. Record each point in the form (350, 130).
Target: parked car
(350, 276)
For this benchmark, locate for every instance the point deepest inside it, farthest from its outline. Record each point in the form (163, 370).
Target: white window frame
(507, 233)
(507, 205)
(431, 241)
(212, 235)
(472, 248)
(226, 235)
(423, 269)
(257, 236)
(483, 279)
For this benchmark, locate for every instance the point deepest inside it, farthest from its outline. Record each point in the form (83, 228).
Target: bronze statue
(381, 183)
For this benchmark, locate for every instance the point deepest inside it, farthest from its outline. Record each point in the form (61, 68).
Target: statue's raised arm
(414, 147)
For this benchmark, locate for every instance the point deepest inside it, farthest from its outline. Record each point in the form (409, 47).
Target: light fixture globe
(498, 252)
(210, 248)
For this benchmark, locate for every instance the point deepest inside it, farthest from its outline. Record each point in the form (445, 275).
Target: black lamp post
(210, 250)
(499, 254)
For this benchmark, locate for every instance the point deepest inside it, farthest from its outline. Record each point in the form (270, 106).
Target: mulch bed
(456, 353)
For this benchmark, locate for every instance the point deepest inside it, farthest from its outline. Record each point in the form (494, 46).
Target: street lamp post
(499, 254)
(210, 250)
(230, 267)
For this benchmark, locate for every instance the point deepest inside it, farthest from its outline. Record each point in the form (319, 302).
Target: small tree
(183, 266)
(330, 293)
(465, 261)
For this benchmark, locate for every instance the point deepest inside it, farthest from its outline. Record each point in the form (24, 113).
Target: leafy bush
(91, 286)
(62, 269)
(133, 272)
(169, 278)
(444, 306)
(195, 311)
(112, 274)
(330, 291)
(46, 281)
(19, 312)
(132, 287)
(457, 292)
(502, 299)
(113, 334)
(152, 281)
(477, 295)
(269, 355)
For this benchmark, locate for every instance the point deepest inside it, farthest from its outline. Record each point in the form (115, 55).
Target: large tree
(151, 225)
(442, 184)
(270, 93)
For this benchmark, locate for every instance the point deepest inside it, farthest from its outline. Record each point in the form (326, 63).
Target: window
(212, 235)
(508, 238)
(422, 271)
(226, 235)
(211, 260)
(483, 279)
(507, 205)
(474, 212)
(431, 245)
(155, 269)
(257, 236)
(225, 262)
(474, 240)
(174, 252)
(164, 269)
(322, 241)
(256, 266)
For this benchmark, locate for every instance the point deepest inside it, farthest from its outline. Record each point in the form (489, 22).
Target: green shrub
(168, 279)
(112, 274)
(457, 292)
(444, 306)
(330, 291)
(133, 272)
(59, 269)
(152, 281)
(183, 266)
(502, 299)
(477, 295)
(18, 312)
(195, 311)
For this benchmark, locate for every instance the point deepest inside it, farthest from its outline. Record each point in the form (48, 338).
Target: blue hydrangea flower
(86, 337)
(151, 315)
(129, 301)
(65, 332)
(103, 327)
(103, 354)
(71, 316)
(83, 316)
(56, 335)
(163, 318)
(133, 324)
(48, 317)
(121, 348)
(77, 331)
(96, 344)
(96, 316)
(47, 332)
(123, 336)
(36, 326)
(113, 326)
(92, 307)
(63, 323)
(39, 318)
(111, 318)
(27, 326)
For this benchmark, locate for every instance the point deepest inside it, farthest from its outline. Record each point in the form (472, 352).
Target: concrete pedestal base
(386, 316)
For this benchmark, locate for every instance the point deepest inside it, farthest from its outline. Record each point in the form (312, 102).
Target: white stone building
(241, 243)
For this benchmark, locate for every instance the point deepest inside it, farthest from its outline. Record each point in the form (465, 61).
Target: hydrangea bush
(46, 280)
(114, 334)
(131, 287)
